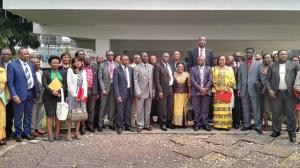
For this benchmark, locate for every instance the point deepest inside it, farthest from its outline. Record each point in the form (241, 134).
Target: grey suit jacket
(273, 78)
(143, 77)
(161, 79)
(104, 78)
(247, 80)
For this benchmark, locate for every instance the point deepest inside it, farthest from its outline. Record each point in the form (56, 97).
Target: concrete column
(102, 45)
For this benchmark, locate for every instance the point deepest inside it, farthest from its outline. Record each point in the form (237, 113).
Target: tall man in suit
(176, 59)
(22, 84)
(105, 78)
(279, 83)
(250, 81)
(143, 86)
(6, 56)
(123, 89)
(163, 81)
(201, 81)
(201, 50)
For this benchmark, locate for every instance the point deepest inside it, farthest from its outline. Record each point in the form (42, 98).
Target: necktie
(145, 65)
(110, 69)
(28, 76)
(201, 52)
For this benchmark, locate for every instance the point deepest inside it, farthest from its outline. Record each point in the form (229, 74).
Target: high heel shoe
(77, 136)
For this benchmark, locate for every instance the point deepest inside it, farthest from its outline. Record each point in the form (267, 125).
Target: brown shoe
(41, 132)
(35, 134)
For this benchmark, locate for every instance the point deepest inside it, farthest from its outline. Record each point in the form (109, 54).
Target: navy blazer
(17, 81)
(193, 55)
(195, 80)
(120, 82)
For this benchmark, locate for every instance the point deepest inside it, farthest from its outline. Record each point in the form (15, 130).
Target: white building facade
(132, 26)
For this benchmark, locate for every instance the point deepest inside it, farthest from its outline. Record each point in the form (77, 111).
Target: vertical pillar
(102, 45)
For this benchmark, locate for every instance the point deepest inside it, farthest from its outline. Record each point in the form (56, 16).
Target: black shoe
(99, 129)
(293, 138)
(163, 127)
(259, 131)
(90, 129)
(82, 131)
(297, 130)
(170, 126)
(207, 128)
(129, 129)
(19, 139)
(28, 137)
(112, 127)
(236, 126)
(275, 134)
(246, 128)
(196, 128)
(119, 131)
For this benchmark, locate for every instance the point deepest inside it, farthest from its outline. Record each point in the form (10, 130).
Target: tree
(16, 31)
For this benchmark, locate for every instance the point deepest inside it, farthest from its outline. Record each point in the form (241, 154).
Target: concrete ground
(175, 148)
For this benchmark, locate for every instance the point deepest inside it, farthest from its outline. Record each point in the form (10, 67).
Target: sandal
(69, 138)
(77, 136)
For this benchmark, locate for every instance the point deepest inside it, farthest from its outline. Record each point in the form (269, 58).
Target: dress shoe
(35, 134)
(207, 128)
(246, 128)
(82, 130)
(149, 128)
(19, 139)
(275, 134)
(297, 130)
(196, 128)
(163, 127)
(2, 142)
(28, 137)
(112, 127)
(129, 129)
(259, 131)
(139, 130)
(50, 139)
(119, 131)
(293, 138)
(99, 129)
(90, 129)
(170, 126)
(236, 126)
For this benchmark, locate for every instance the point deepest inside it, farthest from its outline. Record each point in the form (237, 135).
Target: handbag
(78, 114)
(62, 108)
(224, 96)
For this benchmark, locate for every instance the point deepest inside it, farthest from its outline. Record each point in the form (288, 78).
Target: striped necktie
(28, 76)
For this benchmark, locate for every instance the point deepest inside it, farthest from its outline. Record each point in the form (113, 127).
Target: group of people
(224, 92)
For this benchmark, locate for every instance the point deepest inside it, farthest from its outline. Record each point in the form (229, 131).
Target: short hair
(106, 53)
(77, 53)
(266, 55)
(180, 63)
(295, 57)
(5, 48)
(250, 48)
(280, 51)
(20, 49)
(64, 54)
(52, 57)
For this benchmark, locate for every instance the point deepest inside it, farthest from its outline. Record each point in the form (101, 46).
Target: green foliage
(16, 31)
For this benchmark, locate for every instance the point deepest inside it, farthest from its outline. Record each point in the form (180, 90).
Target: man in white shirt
(279, 82)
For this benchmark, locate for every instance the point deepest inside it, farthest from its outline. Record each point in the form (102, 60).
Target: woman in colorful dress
(223, 84)
(181, 95)
(76, 82)
(4, 98)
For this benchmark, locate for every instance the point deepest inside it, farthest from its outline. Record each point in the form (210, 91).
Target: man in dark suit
(201, 81)
(6, 56)
(201, 50)
(123, 88)
(176, 59)
(22, 84)
(279, 83)
(163, 81)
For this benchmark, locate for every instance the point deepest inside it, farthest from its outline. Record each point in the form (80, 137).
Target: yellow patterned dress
(181, 92)
(4, 96)
(224, 81)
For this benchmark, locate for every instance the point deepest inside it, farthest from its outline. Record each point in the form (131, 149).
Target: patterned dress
(181, 90)
(224, 80)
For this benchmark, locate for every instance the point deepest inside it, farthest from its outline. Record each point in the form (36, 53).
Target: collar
(22, 62)
(123, 67)
(201, 48)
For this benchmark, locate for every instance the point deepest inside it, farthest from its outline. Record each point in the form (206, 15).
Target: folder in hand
(55, 84)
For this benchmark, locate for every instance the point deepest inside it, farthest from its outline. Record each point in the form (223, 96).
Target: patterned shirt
(89, 74)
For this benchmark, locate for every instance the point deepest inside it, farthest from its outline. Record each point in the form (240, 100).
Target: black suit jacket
(272, 79)
(193, 55)
(161, 79)
(120, 82)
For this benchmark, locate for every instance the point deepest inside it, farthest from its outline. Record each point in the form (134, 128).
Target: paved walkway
(175, 148)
